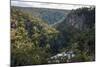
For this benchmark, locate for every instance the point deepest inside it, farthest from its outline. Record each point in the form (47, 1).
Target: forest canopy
(34, 41)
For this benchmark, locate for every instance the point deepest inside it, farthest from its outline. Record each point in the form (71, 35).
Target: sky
(55, 6)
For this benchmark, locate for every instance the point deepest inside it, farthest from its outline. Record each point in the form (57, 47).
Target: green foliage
(34, 42)
(80, 39)
(26, 50)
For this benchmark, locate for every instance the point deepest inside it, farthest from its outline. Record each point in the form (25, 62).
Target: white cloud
(55, 6)
(90, 2)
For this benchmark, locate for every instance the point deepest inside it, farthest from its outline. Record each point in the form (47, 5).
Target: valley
(48, 36)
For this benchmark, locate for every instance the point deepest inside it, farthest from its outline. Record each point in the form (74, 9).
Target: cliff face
(80, 19)
(79, 29)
